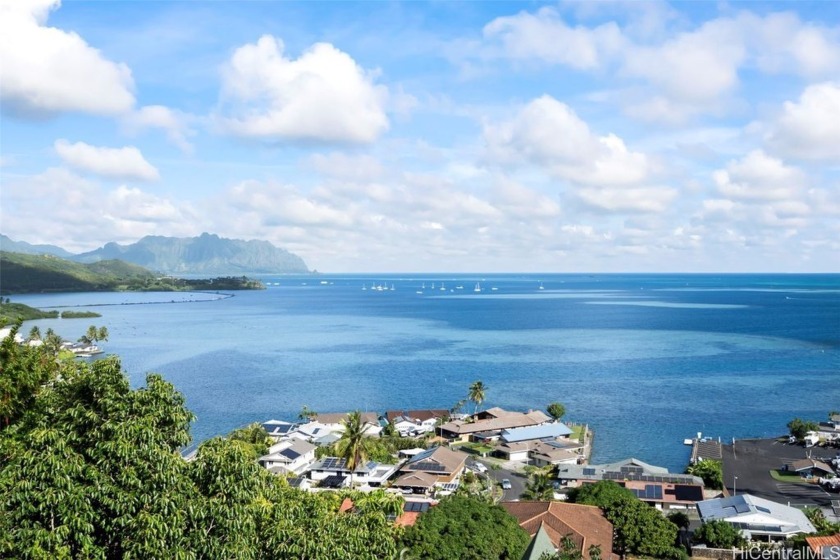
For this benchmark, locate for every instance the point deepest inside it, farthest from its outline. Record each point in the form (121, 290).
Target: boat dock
(705, 448)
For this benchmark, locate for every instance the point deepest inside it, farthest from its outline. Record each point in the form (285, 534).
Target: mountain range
(205, 254)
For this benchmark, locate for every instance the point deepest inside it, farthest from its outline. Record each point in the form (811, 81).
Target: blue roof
(536, 432)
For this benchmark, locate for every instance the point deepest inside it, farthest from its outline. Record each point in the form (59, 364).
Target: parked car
(506, 484)
(478, 467)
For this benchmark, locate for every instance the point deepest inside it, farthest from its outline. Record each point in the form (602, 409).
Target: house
(824, 548)
(277, 429)
(416, 482)
(651, 484)
(809, 468)
(493, 420)
(585, 525)
(546, 440)
(300, 483)
(288, 456)
(370, 473)
(334, 422)
(443, 463)
(757, 518)
(423, 416)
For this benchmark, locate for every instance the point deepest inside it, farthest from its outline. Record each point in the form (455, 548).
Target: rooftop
(756, 514)
(544, 431)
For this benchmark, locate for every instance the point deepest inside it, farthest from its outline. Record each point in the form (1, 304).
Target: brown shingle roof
(585, 525)
(449, 461)
(416, 480)
(503, 422)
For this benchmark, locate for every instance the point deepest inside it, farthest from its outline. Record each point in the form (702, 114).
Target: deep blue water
(646, 360)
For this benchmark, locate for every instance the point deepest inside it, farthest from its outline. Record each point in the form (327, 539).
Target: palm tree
(52, 342)
(353, 446)
(477, 394)
(35, 333)
(539, 487)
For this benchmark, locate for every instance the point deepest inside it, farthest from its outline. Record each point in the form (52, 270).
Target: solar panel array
(651, 492)
(419, 507)
(428, 466)
(688, 493)
(588, 472)
(290, 453)
(673, 479)
(334, 463)
(632, 469)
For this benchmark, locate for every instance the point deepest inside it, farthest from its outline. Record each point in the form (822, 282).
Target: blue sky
(443, 136)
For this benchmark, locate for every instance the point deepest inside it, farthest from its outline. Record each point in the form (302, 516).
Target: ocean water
(646, 360)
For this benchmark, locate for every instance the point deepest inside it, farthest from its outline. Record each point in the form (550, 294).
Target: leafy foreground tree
(799, 428)
(718, 534)
(639, 528)
(90, 468)
(710, 471)
(465, 528)
(539, 488)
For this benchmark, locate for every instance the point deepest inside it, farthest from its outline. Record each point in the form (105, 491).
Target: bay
(646, 360)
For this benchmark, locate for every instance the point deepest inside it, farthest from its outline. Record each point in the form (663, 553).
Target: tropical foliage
(710, 471)
(718, 534)
(639, 529)
(799, 428)
(465, 528)
(90, 468)
(477, 393)
(556, 410)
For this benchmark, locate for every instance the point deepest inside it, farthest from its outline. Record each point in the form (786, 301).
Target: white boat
(442, 287)
(363, 287)
(459, 287)
(688, 441)
(541, 286)
(419, 292)
(392, 287)
(494, 288)
(477, 287)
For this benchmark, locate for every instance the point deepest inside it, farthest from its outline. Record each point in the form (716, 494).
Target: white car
(506, 484)
(479, 467)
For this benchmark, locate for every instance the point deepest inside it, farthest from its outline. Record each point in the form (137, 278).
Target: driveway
(518, 481)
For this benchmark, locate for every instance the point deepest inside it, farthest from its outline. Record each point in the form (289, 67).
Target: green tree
(556, 410)
(799, 428)
(539, 487)
(255, 436)
(710, 471)
(568, 551)
(354, 445)
(306, 414)
(639, 528)
(465, 528)
(35, 333)
(477, 393)
(718, 534)
(23, 374)
(679, 519)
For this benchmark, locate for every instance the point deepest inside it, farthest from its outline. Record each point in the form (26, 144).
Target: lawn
(476, 448)
(784, 476)
(577, 432)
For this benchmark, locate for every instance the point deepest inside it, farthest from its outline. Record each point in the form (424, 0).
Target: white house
(757, 518)
(289, 456)
(370, 473)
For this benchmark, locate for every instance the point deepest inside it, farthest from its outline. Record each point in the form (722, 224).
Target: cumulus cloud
(174, 123)
(323, 96)
(114, 163)
(810, 128)
(55, 207)
(46, 70)
(550, 135)
(544, 36)
(759, 177)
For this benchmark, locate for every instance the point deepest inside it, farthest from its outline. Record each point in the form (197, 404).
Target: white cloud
(345, 166)
(759, 178)
(174, 123)
(608, 176)
(115, 163)
(810, 128)
(46, 70)
(55, 207)
(544, 36)
(323, 96)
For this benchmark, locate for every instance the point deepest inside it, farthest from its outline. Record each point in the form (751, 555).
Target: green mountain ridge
(207, 254)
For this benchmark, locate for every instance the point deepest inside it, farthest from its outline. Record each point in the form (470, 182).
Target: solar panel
(742, 508)
(429, 466)
(418, 507)
(290, 453)
(589, 472)
(688, 493)
(632, 469)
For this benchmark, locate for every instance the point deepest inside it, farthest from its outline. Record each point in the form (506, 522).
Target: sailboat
(477, 287)
(363, 287)
(541, 286)
(442, 287)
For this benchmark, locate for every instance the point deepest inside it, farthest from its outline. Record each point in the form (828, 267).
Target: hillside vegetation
(21, 274)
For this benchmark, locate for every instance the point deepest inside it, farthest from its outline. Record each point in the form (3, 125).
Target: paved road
(751, 462)
(517, 482)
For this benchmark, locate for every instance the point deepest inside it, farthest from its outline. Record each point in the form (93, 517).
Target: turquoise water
(647, 360)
